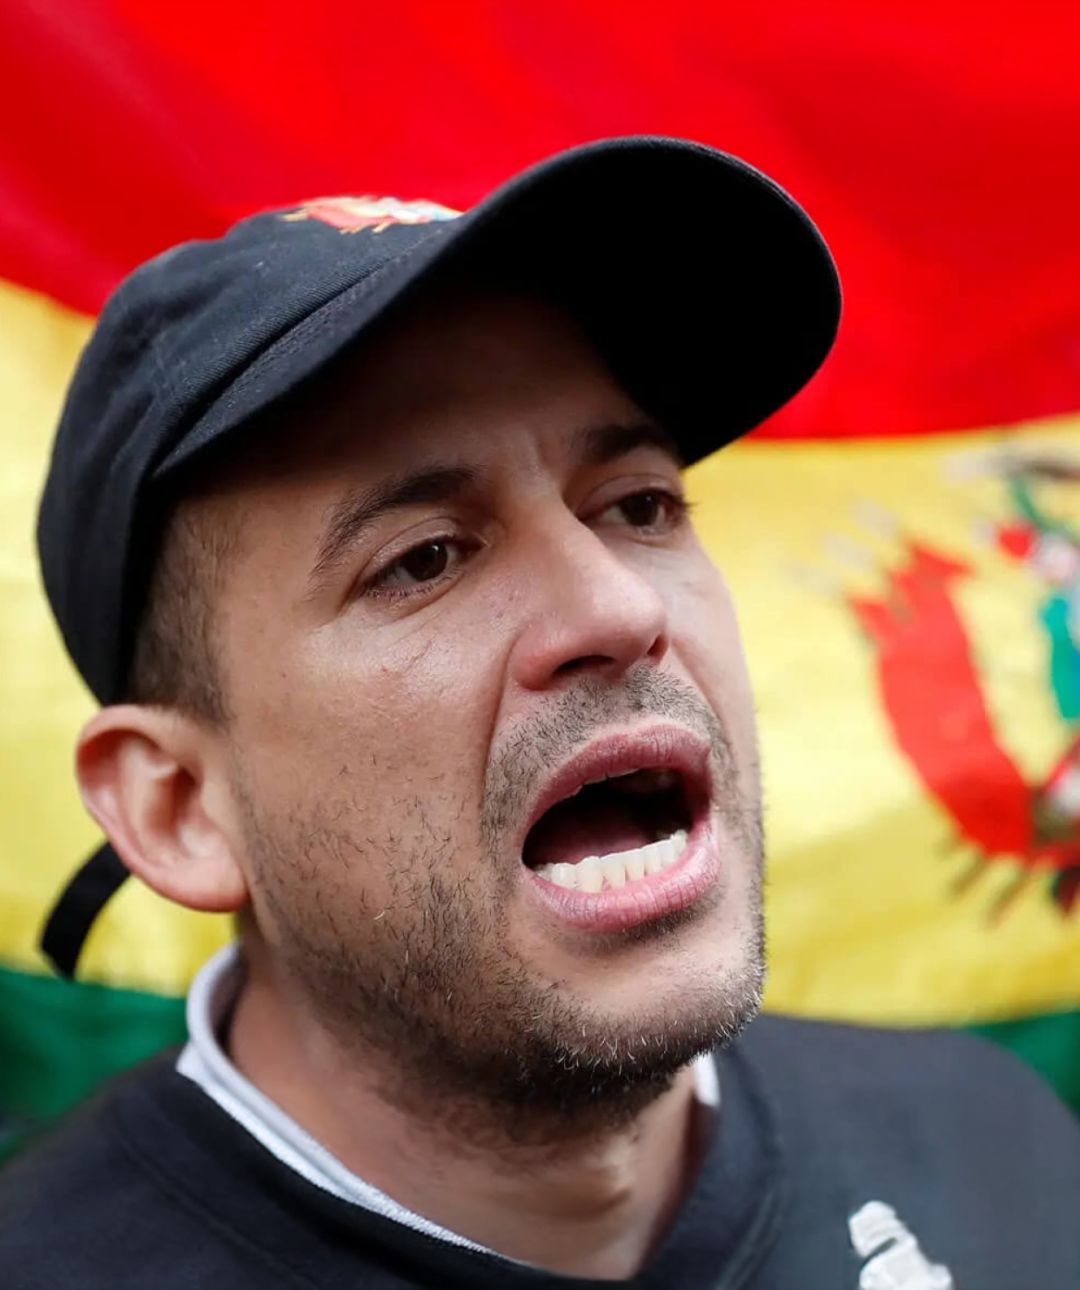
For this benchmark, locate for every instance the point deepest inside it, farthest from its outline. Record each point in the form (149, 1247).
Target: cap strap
(85, 896)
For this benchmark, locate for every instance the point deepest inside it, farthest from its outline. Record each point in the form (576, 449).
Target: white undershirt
(204, 1061)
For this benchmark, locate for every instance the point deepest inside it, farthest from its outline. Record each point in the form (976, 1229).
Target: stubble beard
(427, 994)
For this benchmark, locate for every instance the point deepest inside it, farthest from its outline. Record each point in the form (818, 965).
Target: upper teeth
(616, 870)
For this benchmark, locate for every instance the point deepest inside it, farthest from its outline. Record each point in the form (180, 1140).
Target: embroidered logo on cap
(353, 214)
(894, 1260)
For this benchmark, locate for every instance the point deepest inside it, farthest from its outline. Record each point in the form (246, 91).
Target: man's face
(467, 587)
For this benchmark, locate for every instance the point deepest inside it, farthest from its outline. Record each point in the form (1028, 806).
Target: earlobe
(151, 779)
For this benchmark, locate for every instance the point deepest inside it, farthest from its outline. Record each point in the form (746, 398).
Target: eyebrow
(598, 445)
(356, 513)
(351, 517)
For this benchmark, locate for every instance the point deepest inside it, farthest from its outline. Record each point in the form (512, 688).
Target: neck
(588, 1199)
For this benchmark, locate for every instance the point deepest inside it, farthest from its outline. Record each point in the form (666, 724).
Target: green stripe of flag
(59, 1040)
(1050, 1042)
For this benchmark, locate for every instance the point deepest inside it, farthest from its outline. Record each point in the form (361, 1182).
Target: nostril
(583, 664)
(658, 648)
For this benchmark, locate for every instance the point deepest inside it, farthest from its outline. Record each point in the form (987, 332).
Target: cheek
(708, 643)
(392, 724)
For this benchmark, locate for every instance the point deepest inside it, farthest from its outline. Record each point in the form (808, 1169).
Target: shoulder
(920, 1102)
(947, 1127)
(79, 1209)
(919, 1068)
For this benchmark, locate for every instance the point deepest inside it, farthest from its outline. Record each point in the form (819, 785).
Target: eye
(422, 563)
(653, 510)
(427, 563)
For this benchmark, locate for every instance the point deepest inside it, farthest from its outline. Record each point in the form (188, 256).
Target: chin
(671, 1007)
(613, 1062)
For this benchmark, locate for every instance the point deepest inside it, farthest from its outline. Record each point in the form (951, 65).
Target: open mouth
(618, 830)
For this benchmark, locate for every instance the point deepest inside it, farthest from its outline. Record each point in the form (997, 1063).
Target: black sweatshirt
(155, 1186)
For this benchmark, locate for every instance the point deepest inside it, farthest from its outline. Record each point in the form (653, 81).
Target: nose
(593, 612)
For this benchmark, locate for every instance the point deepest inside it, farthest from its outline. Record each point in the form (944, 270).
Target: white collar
(205, 1062)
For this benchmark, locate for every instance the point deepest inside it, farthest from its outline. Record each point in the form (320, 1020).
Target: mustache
(577, 715)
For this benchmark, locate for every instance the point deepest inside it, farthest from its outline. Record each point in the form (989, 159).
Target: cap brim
(706, 289)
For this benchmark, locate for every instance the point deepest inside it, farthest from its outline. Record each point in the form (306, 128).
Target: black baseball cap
(704, 286)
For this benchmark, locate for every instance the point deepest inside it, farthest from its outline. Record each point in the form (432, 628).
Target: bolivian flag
(903, 540)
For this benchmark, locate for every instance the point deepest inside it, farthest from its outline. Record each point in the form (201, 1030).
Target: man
(366, 524)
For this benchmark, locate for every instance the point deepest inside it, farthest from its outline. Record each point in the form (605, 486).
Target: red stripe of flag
(934, 143)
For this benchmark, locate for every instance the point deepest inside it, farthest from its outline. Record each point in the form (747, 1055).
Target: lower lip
(614, 910)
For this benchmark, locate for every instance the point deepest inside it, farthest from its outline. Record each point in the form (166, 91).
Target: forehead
(437, 377)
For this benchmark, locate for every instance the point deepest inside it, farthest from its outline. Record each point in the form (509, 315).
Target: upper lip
(656, 747)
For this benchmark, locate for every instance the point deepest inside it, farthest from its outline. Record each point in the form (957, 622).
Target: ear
(156, 782)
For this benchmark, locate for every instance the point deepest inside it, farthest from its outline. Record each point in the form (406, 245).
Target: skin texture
(390, 722)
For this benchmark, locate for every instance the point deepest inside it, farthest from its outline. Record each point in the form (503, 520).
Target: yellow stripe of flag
(869, 915)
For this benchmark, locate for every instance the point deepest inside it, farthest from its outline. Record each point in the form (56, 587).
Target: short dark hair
(176, 661)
